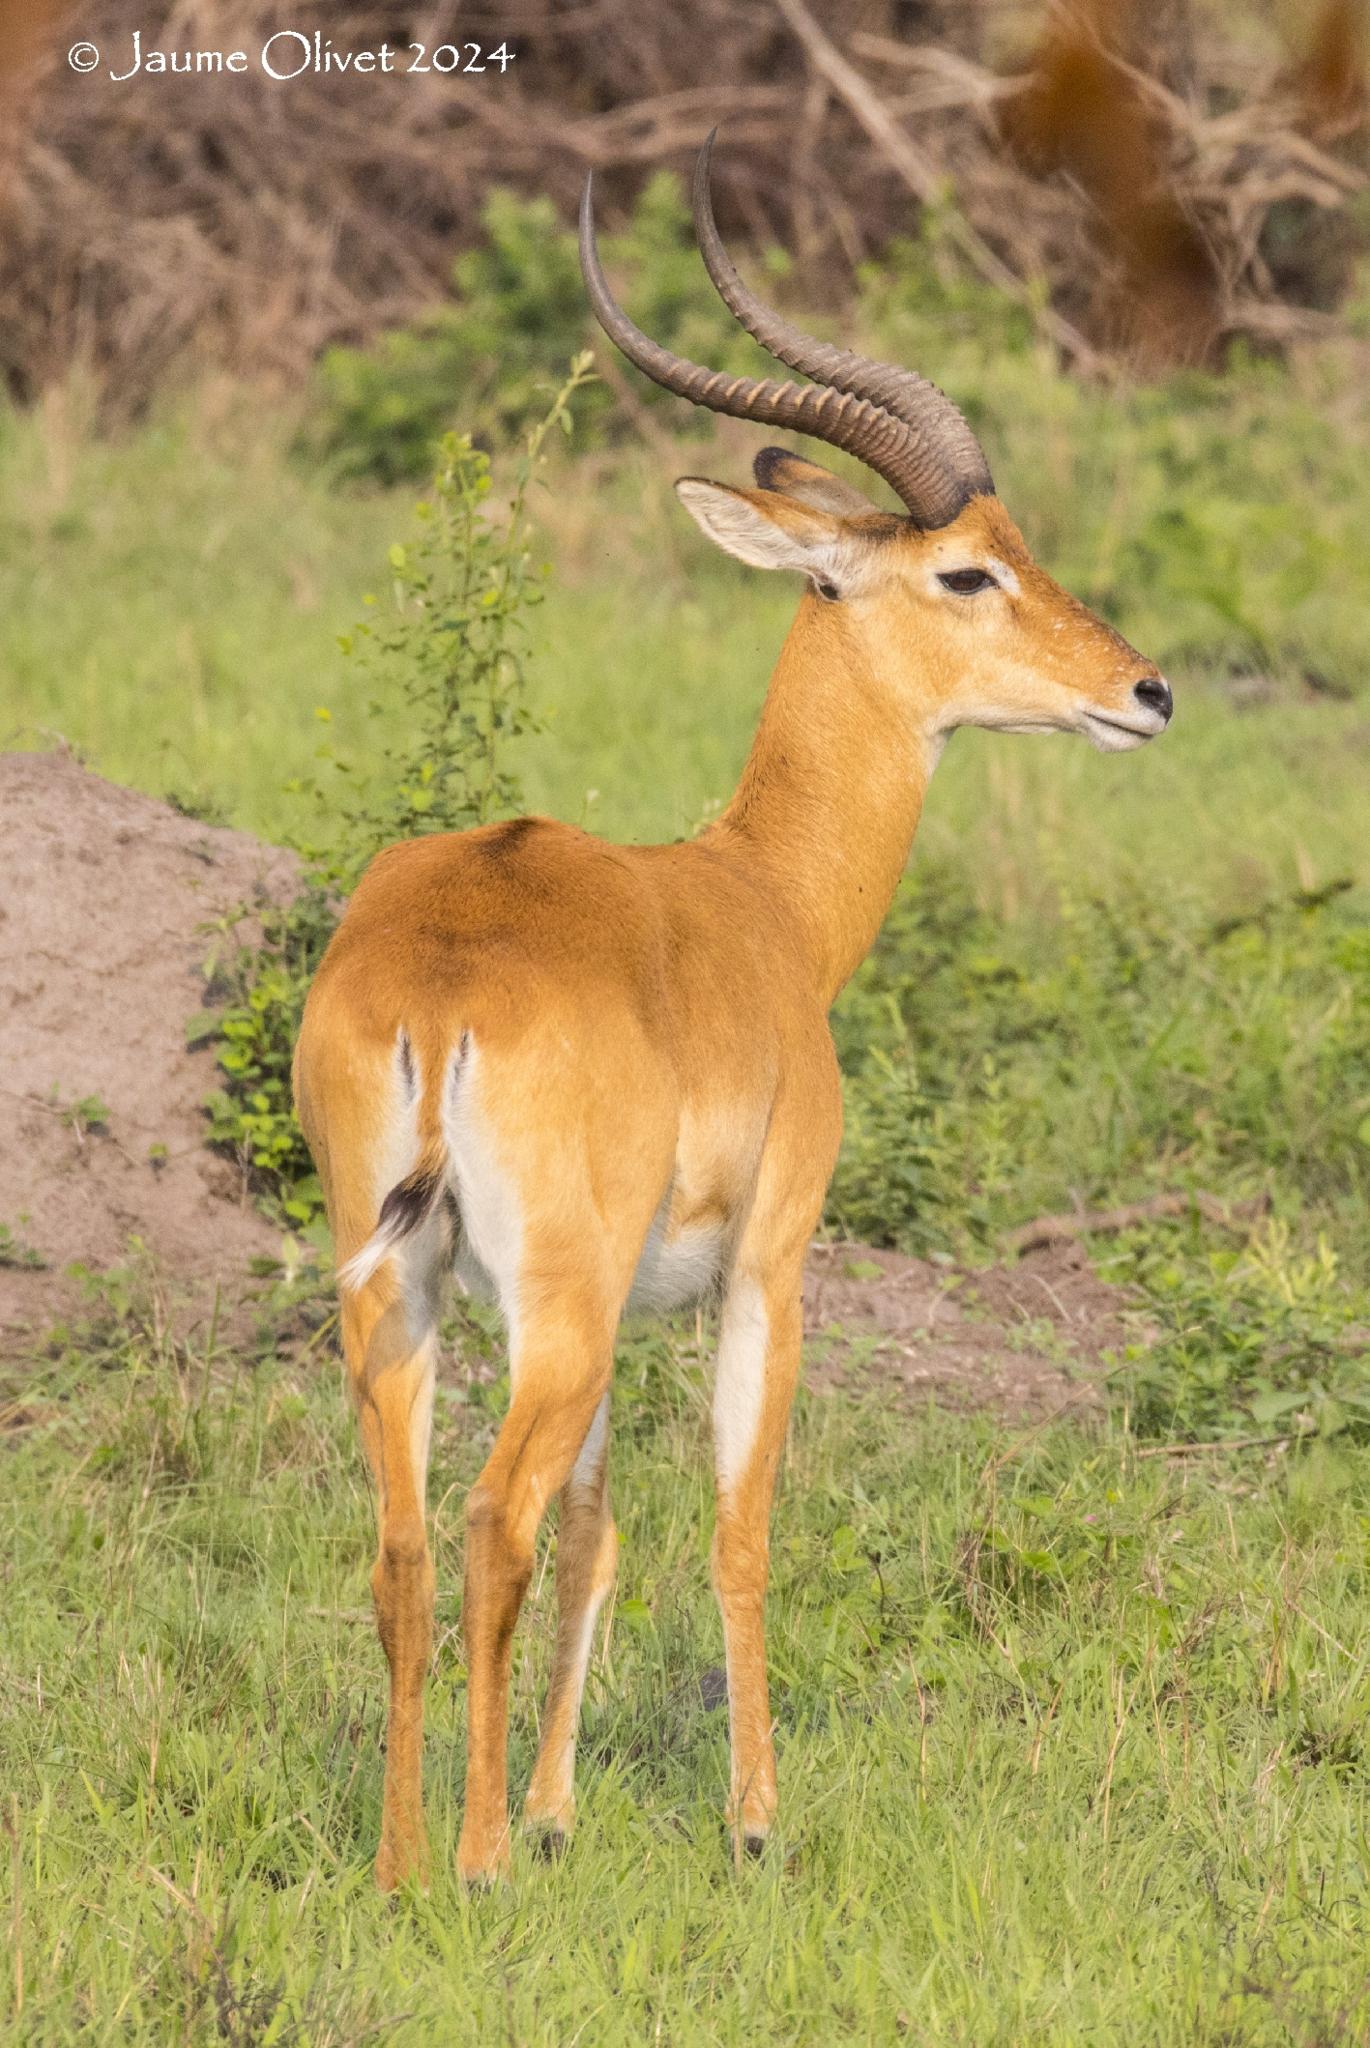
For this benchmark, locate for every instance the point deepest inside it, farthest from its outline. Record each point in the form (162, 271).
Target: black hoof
(743, 1842)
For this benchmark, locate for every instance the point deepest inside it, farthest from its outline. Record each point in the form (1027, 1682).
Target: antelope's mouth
(1118, 735)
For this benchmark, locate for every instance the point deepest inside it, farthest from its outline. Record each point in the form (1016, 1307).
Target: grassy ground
(1072, 1741)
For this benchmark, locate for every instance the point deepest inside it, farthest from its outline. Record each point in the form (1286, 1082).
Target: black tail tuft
(408, 1203)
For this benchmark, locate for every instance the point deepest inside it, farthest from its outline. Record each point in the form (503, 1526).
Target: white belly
(672, 1272)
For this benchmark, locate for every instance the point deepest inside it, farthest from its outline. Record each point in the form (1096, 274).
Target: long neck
(831, 794)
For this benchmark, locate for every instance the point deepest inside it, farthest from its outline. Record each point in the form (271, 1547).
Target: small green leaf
(1272, 1405)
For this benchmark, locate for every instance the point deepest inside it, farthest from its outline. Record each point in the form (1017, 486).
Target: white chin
(1113, 739)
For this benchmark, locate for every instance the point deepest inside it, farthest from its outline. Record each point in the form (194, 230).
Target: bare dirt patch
(1027, 1340)
(104, 896)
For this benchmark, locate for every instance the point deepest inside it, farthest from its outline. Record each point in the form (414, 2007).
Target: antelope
(594, 1077)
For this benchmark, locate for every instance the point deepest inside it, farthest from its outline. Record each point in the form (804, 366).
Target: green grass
(171, 601)
(1135, 1043)
(1072, 1742)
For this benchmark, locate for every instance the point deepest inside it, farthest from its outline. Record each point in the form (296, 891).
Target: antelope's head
(944, 599)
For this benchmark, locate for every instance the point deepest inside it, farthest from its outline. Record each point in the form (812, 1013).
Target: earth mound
(106, 899)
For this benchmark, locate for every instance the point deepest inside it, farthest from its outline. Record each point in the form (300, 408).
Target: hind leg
(556, 1210)
(561, 1371)
(391, 1366)
(587, 1552)
(358, 1107)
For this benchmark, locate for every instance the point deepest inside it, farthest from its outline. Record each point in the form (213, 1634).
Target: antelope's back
(580, 956)
(494, 927)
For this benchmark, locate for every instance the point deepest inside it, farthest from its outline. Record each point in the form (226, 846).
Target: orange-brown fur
(623, 1035)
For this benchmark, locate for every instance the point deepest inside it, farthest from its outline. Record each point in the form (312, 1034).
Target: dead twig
(1049, 1230)
(1223, 1443)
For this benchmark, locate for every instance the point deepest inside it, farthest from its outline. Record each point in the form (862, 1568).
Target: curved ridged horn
(916, 466)
(842, 420)
(952, 447)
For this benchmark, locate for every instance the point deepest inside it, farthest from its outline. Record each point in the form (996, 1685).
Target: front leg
(758, 1366)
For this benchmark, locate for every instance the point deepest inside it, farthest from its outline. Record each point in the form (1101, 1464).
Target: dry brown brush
(1172, 179)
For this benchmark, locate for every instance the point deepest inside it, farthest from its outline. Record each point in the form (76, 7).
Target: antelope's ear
(777, 469)
(766, 528)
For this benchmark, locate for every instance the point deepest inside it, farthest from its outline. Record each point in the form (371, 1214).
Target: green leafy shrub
(1134, 1048)
(252, 1113)
(1261, 1338)
(448, 644)
(518, 300)
(995, 1072)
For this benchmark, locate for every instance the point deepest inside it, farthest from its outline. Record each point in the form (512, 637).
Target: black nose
(1154, 692)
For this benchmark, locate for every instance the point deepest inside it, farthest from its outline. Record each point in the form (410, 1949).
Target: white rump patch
(491, 1213)
(740, 1387)
(395, 1157)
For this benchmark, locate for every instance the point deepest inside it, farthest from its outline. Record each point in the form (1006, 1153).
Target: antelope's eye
(965, 582)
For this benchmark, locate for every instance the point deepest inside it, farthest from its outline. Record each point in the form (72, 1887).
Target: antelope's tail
(410, 1203)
